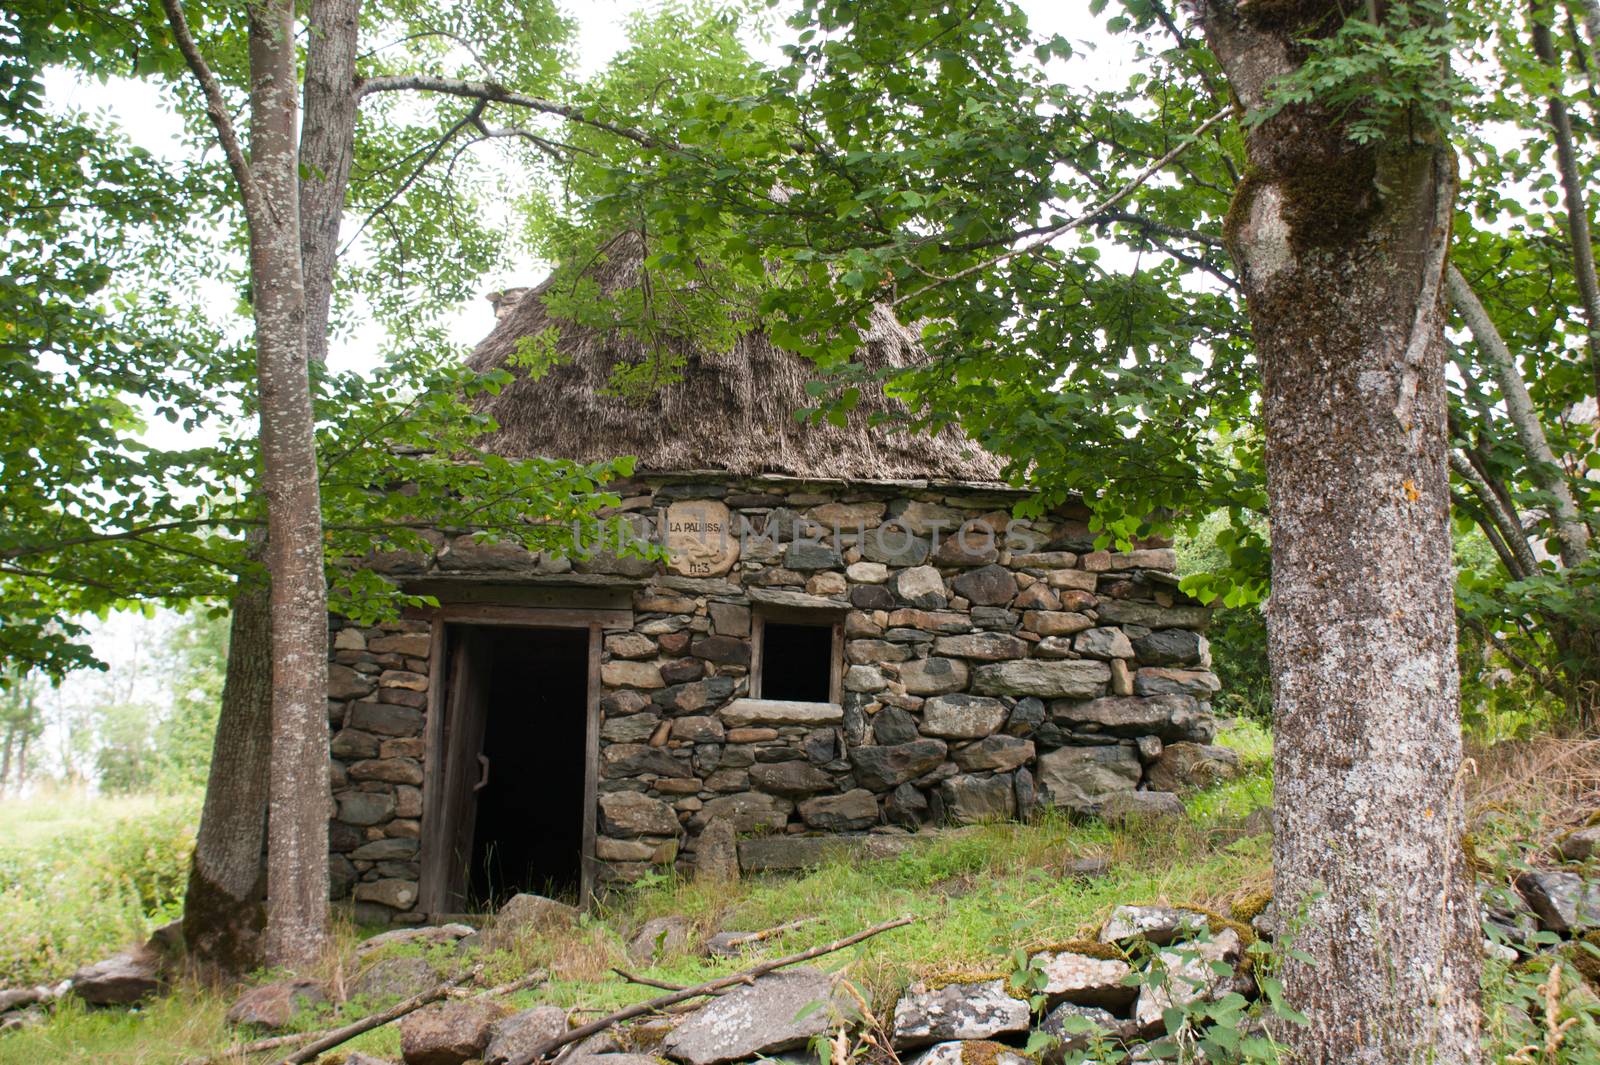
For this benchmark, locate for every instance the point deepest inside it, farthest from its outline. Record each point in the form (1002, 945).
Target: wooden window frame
(760, 614)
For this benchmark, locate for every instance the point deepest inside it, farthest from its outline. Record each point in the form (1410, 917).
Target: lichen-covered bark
(1342, 252)
(297, 822)
(222, 907)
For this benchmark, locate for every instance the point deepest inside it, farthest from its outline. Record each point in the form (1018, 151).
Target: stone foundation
(990, 667)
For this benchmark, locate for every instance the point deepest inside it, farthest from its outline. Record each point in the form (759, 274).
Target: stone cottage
(853, 636)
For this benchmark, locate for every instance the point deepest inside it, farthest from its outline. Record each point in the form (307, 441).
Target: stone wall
(991, 667)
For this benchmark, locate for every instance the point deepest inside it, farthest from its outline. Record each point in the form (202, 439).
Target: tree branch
(1544, 468)
(217, 109)
(1099, 209)
(499, 94)
(1511, 532)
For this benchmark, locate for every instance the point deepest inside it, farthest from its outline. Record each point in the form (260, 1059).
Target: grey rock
(523, 1031)
(986, 586)
(881, 768)
(743, 713)
(1159, 925)
(1075, 777)
(853, 811)
(1070, 976)
(1579, 845)
(1058, 679)
(1564, 902)
(1174, 718)
(936, 676)
(762, 1018)
(1136, 806)
(812, 556)
(393, 978)
(430, 934)
(957, 1011)
(524, 913)
(365, 807)
(748, 812)
(1104, 643)
(1026, 716)
(1066, 1023)
(1163, 680)
(1001, 753)
(892, 725)
(633, 759)
(628, 813)
(972, 799)
(982, 646)
(121, 979)
(1170, 647)
(1027, 790)
(962, 717)
(447, 1033)
(791, 779)
(273, 1006)
(659, 938)
(716, 853)
(1190, 977)
(1153, 616)
(1186, 766)
(906, 806)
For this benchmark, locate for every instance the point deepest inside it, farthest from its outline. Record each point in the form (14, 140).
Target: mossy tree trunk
(223, 915)
(1342, 251)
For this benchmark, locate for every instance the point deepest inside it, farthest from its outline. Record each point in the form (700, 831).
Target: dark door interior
(518, 749)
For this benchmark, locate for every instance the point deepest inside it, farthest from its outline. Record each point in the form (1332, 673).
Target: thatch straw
(730, 411)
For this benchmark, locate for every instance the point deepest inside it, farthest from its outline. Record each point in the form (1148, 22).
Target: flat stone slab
(1158, 924)
(763, 1018)
(121, 979)
(787, 854)
(521, 1032)
(742, 713)
(964, 1011)
(1084, 978)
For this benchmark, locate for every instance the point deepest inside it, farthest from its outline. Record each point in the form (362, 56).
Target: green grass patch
(82, 876)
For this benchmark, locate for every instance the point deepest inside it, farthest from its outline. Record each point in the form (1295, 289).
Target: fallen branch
(377, 1020)
(646, 981)
(747, 938)
(748, 976)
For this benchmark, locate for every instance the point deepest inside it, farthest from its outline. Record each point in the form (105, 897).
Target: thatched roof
(730, 411)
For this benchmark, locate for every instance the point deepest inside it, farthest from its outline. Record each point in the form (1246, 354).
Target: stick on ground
(748, 976)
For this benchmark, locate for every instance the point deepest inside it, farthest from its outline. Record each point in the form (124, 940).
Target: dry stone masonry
(991, 667)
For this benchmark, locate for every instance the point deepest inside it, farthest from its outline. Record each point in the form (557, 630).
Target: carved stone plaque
(701, 541)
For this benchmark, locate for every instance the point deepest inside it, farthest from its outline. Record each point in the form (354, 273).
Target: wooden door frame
(434, 879)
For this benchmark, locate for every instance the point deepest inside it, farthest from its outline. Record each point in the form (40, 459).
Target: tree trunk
(297, 821)
(222, 912)
(1342, 250)
(327, 143)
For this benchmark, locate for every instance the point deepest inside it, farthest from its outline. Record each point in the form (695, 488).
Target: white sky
(144, 114)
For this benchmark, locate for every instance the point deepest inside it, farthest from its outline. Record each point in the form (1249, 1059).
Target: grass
(978, 894)
(83, 875)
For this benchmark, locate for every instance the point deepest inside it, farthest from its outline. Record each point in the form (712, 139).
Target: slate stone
(1063, 679)
(970, 1051)
(791, 779)
(970, 799)
(906, 806)
(716, 853)
(633, 759)
(1026, 716)
(881, 768)
(982, 646)
(1169, 647)
(1104, 643)
(936, 676)
(957, 1011)
(853, 811)
(1173, 718)
(760, 1019)
(1000, 753)
(1159, 925)
(723, 650)
(805, 556)
(962, 717)
(749, 812)
(1074, 777)
(871, 597)
(628, 813)
(892, 725)
(1022, 783)
(1162, 680)
(1135, 806)
(986, 586)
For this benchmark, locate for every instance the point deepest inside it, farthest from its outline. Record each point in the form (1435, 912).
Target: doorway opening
(516, 759)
